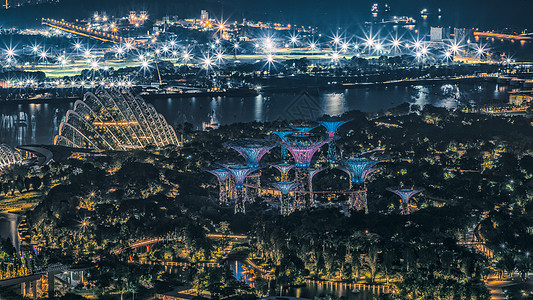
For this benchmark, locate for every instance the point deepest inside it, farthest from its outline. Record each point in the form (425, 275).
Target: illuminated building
(9, 156)
(114, 120)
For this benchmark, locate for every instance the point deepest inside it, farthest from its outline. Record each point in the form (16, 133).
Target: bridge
(44, 279)
(82, 31)
(501, 36)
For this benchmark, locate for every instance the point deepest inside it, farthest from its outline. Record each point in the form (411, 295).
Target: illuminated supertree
(358, 169)
(285, 188)
(284, 169)
(303, 146)
(312, 173)
(222, 176)
(405, 195)
(251, 149)
(331, 127)
(282, 134)
(239, 174)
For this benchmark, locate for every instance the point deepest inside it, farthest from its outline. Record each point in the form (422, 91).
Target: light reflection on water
(42, 120)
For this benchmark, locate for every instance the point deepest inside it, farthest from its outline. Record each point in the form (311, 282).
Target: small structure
(283, 134)
(359, 169)
(405, 195)
(239, 174)
(284, 169)
(222, 176)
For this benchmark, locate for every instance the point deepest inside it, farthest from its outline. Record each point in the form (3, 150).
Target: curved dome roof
(9, 156)
(114, 120)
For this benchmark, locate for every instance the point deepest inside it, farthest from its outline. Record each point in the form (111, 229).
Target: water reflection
(9, 228)
(41, 121)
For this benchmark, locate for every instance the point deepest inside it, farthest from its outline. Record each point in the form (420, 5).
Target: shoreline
(278, 89)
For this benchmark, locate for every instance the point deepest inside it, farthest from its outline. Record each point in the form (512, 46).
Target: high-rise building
(437, 34)
(463, 35)
(204, 16)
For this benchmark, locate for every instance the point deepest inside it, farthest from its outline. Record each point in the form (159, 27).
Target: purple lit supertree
(358, 169)
(331, 127)
(285, 188)
(303, 146)
(405, 195)
(282, 134)
(222, 176)
(284, 169)
(251, 149)
(239, 174)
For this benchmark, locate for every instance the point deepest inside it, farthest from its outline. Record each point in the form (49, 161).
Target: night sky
(486, 14)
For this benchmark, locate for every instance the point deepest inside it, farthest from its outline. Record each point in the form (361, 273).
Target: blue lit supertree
(251, 149)
(239, 174)
(331, 127)
(285, 188)
(222, 176)
(284, 169)
(282, 134)
(405, 195)
(359, 169)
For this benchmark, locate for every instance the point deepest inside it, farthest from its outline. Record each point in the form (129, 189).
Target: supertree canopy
(221, 174)
(303, 146)
(251, 149)
(9, 156)
(285, 187)
(332, 126)
(284, 169)
(114, 120)
(358, 168)
(239, 173)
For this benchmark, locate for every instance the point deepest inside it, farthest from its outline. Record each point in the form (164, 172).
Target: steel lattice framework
(252, 150)
(114, 120)
(405, 195)
(9, 156)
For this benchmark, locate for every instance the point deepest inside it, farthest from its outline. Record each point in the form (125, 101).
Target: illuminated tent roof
(9, 156)
(114, 120)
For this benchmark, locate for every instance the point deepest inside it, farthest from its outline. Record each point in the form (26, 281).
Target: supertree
(284, 169)
(312, 173)
(331, 127)
(359, 169)
(303, 146)
(239, 174)
(222, 176)
(282, 134)
(405, 195)
(285, 188)
(251, 149)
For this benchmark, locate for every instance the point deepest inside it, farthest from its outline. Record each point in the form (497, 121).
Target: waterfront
(38, 123)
